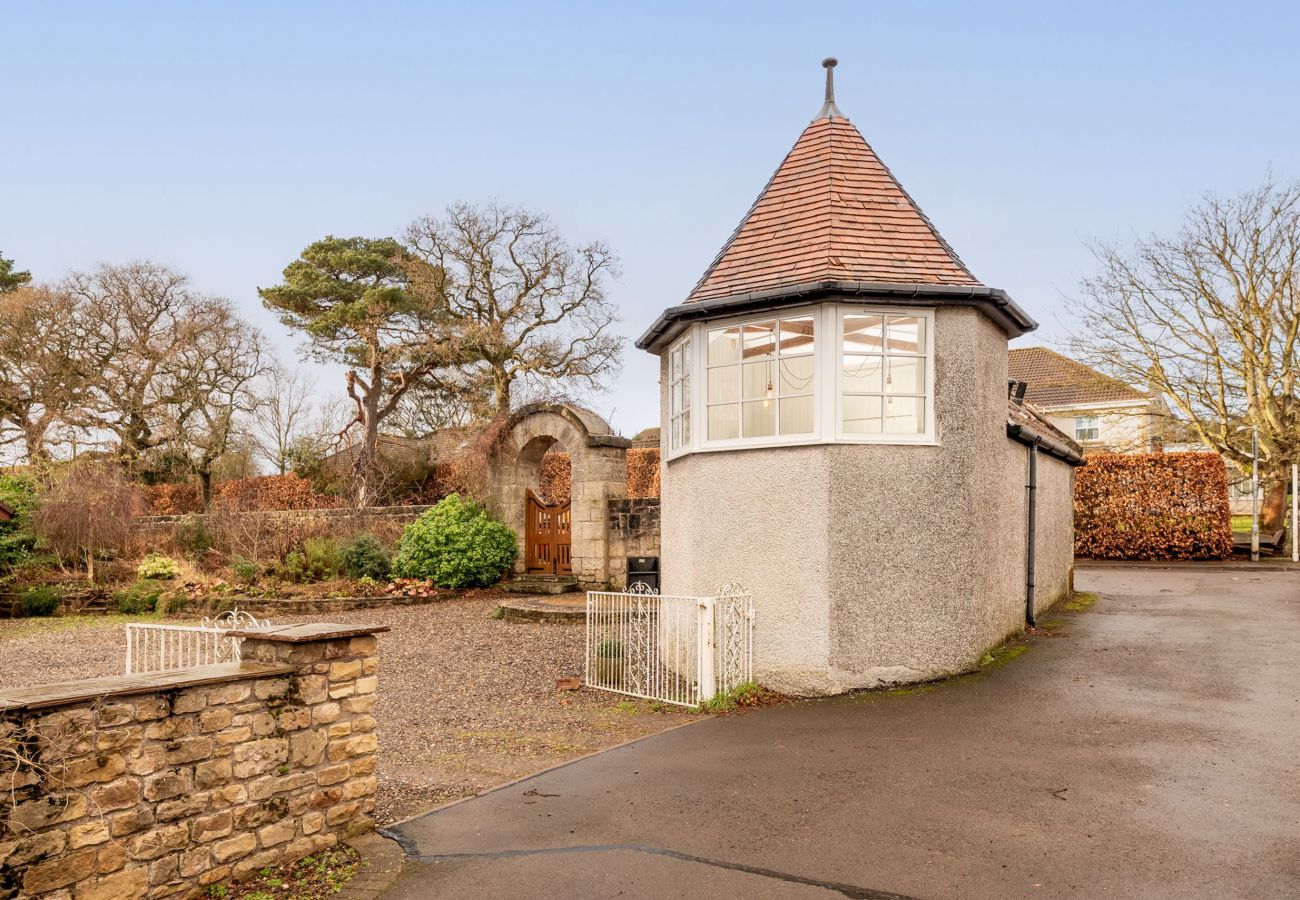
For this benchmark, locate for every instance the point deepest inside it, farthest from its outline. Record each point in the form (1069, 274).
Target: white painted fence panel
(676, 649)
(162, 648)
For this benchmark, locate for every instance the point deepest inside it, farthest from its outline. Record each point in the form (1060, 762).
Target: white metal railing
(677, 649)
(161, 648)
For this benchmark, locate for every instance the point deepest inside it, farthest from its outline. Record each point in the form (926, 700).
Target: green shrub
(193, 537)
(456, 544)
(155, 565)
(141, 597)
(245, 570)
(39, 601)
(365, 556)
(17, 539)
(318, 560)
(609, 648)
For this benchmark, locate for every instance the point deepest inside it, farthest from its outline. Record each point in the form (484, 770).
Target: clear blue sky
(221, 138)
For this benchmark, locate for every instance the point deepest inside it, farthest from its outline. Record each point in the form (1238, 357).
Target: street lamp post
(1254, 494)
(1295, 513)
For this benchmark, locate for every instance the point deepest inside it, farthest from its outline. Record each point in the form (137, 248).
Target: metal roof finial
(829, 109)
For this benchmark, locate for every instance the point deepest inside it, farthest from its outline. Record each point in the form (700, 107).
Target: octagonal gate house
(839, 434)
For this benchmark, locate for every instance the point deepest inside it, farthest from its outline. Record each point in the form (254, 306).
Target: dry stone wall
(158, 786)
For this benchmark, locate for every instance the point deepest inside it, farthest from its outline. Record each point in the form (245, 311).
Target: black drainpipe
(1033, 517)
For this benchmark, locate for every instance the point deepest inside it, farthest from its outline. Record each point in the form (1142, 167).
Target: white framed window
(885, 375)
(1087, 428)
(680, 364)
(759, 379)
(818, 374)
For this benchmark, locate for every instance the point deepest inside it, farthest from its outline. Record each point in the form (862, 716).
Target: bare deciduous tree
(144, 322)
(526, 306)
(1211, 318)
(450, 398)
(45, 369)
(283, 415)
(212, 378)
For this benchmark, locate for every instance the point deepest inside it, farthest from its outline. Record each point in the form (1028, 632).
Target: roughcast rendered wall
(873, 564)
(758, 518)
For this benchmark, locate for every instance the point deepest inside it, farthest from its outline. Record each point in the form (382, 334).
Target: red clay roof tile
(1054, 380)
(831, 212)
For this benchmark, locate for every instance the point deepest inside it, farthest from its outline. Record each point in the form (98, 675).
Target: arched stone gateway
(598, 460)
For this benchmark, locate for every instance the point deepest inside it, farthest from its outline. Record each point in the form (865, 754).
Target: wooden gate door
(548, 542)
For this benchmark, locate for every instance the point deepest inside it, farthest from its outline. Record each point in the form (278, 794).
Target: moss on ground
(1077, 602)
(995, 658)
(1001, 655)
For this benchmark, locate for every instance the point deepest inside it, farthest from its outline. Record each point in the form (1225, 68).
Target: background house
(1099, 412)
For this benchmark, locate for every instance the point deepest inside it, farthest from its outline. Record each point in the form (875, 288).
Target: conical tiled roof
(832, 212)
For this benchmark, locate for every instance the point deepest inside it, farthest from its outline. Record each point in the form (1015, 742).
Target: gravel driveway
(466, 701)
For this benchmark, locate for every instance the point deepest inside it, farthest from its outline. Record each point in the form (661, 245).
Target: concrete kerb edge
(408, 845)
(1187, 566)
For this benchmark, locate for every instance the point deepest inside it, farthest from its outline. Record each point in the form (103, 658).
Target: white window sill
(812, 442)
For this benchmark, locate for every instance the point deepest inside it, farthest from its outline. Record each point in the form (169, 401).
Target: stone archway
(598, 474)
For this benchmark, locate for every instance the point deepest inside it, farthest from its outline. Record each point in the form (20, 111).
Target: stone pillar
(323, 751)
(602, 477)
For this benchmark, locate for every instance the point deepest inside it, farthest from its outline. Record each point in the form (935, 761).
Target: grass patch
(313, 877)
(74, 623)
(748, 695)
(1079, 601)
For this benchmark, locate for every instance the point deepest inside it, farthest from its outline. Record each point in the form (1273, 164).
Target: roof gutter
(994, 303)
(1031, 438)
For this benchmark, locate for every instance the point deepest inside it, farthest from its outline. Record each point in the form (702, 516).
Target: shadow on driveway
(1148, 752)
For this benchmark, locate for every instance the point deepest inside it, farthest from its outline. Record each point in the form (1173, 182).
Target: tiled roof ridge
(832, 263)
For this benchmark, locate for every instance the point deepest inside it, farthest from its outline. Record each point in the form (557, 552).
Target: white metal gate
(677, 649)
(160, 648)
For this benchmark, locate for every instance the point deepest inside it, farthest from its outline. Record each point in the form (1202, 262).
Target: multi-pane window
(679, 394)
(760, 377)
(828, 372)
(883, 374)
(1087, 428)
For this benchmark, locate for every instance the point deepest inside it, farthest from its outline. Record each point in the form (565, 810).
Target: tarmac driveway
(1153, 751)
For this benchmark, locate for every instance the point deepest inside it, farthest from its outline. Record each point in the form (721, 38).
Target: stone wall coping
(65, 693)
(302, 634)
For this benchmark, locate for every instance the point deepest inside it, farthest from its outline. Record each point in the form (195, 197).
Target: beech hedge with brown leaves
(643, 472)
(1152, 506)
(555, 477)
(264, 492)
